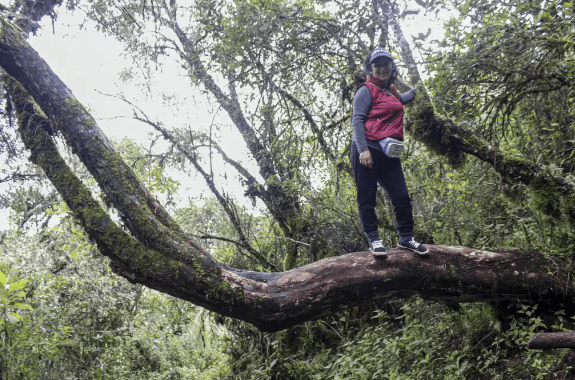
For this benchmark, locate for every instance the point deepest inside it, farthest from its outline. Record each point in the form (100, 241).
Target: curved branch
(139, 210)
(29, 13)
(131, 258)
(276, 301)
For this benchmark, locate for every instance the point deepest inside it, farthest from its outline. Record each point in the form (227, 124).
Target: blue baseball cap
(377, 53)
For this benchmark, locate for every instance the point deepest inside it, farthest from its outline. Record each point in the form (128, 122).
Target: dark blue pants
(388, 172)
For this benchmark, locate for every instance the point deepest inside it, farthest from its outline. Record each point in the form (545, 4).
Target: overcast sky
(89, 63)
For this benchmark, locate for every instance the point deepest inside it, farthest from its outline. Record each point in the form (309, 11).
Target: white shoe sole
(414, 250)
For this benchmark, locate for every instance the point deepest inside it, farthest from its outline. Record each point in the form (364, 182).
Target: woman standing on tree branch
(375, 150)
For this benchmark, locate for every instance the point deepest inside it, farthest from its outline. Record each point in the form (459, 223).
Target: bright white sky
(90, 63)
(87, 62)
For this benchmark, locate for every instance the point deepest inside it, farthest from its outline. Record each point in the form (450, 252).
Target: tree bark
(161, 256)
(552, 340)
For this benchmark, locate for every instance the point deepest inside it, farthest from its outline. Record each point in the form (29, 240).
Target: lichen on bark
(432, 128)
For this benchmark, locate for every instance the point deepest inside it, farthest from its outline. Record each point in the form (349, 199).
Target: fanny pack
(392, 148)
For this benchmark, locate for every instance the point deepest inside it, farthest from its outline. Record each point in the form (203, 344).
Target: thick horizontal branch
(276, 301)
(552, 340)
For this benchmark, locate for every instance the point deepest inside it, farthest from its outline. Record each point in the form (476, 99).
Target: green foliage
(510, 68)
(418, 340)
(11, 295)
(152, 172)
(504, 68)
(14, 318)
(65, 315)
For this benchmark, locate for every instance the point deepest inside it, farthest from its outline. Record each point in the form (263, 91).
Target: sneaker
(414, 246)
(377, 248)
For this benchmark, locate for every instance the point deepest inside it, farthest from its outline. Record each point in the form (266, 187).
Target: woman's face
(382, 70)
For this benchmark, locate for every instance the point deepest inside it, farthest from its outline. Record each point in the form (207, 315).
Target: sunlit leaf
(22, 306)
(17, 285)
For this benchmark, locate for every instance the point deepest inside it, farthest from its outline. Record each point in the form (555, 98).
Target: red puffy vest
(385, 119)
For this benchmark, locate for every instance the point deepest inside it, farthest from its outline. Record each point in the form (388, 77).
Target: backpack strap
(386, 90)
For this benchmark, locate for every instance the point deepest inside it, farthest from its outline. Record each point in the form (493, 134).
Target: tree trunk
(447, 138)
(161, 256)
(280, 203)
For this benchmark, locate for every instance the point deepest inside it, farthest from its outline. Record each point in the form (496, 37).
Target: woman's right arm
(361, 108)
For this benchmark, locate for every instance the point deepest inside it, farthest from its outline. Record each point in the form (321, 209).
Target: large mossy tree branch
(275, 301)
(197, 278)
(130, 257)
(139, 210)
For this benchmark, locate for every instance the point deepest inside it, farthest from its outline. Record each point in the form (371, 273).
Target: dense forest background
(282, 74)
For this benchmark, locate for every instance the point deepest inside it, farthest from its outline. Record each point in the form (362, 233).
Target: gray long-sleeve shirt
(361, 108)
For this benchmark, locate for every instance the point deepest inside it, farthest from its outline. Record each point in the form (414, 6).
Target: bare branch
(226, 204)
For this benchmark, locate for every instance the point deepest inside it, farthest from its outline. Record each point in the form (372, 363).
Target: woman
(378, 114)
